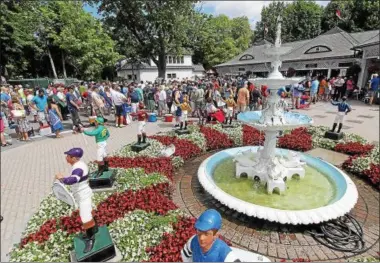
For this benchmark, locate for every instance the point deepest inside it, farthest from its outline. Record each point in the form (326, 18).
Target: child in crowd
(231, 104)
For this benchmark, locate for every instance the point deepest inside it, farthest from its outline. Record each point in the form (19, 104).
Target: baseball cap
(75, 152)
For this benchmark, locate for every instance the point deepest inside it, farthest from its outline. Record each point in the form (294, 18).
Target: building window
(345, 64)
(170, 60)
(172, 75)
(247, 57)
(132, 77)
(318, 49)
(311, 65)
(182, 60)
(241, 69)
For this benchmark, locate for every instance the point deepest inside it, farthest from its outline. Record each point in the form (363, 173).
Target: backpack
(134, 96)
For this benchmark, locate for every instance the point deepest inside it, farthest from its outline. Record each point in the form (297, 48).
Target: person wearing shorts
(118, 99)
(101, 134)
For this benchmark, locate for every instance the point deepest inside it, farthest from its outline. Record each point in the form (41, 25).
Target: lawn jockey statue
(101, 134)
(343, 109)
(185, 108)
(231, 104)
(206, 246)
(78, 180)
(141, 118)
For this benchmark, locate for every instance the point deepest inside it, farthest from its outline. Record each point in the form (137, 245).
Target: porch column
(363, 65)
(329, 73)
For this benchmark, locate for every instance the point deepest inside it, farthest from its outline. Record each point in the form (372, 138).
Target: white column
(363, 65)
(328, 73)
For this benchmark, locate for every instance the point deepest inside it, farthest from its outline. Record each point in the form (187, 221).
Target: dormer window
(247, 57)
(318, 49)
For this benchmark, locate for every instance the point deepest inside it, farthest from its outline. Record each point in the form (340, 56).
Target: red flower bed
(353, 148)
(150, 199)
(43, 234)
(183, 148)
(373, 174)
(216, 139)
(169, 249)
(252, 136)
(298, 140)
(161, 165)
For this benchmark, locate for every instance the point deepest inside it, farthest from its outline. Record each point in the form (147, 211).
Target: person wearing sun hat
(101, 134)
(82, 193)
(206, 246)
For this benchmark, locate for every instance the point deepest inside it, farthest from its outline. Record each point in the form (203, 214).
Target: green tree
(302, 20)
(269, 15)
(357, 15)
(221, 38)
(17, 42)
(159, 27)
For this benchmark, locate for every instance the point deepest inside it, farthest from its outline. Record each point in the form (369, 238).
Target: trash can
(152, 117)
(168, 118)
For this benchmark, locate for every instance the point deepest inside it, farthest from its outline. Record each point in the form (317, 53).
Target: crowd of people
(218, 99)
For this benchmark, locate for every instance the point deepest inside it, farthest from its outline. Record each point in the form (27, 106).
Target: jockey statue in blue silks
(206, 246)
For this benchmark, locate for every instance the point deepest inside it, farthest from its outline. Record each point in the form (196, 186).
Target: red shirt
(264, 90)
(142, 115)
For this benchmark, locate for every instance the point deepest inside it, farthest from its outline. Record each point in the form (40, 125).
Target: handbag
(18, 113)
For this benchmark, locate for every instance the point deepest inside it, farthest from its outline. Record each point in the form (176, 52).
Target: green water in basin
(313, 191)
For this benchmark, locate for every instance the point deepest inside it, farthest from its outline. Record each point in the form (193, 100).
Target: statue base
(226, 126)
(138, 147)
(106, 180)
(334, 135)
(103, 249)
(182, 132)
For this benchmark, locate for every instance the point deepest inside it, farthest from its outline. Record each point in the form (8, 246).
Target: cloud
(250, 9)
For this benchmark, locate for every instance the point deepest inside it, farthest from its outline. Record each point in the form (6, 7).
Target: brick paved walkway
(27, 174)
(274, 240)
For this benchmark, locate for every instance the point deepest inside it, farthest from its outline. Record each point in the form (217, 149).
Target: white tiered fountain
(265, 166)
(323, 194)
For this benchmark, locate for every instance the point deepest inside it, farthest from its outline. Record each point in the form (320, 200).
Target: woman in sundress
(21, 120)
(55, 119)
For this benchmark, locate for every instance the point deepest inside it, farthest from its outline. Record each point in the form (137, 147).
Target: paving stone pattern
(271, 239)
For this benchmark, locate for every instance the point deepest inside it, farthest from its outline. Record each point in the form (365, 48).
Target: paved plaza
(28, 170)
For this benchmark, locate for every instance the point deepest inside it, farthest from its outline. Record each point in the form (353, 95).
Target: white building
(177, 67)
(328, 54)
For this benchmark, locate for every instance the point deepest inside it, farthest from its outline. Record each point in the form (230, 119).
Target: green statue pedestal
(334, 135)
(226, 126)
(106, 180)
(103, 249)
(138, 147)
(182, 132)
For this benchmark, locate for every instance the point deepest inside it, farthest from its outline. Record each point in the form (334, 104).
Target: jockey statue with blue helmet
(206, 246)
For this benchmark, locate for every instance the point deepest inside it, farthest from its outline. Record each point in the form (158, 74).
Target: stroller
(364, 95)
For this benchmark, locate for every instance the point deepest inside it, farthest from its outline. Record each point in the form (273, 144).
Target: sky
(250, 9)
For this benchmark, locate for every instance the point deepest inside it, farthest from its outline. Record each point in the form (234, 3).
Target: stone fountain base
(274, 172)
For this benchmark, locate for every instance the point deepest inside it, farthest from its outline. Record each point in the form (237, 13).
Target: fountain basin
(344, 199)
(292, 120)
(275, 83)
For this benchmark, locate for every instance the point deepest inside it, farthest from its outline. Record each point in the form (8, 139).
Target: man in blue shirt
(40, 102)
(314, 90)
(374, 87)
